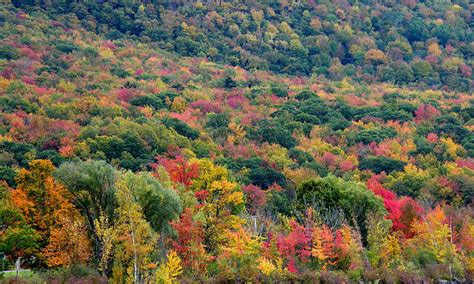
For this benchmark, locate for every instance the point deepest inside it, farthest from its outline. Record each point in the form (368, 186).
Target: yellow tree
(223, 198)
(134, 238)
(219, 200)
(391, 253)
(240, 253)
(434, 234)
(170, 270)
(208, 173)
(106, 234)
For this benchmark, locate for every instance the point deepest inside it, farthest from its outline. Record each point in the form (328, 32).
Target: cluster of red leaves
(256, 197)
(179, 169)
(206, 106)
(426, 112)
(296, 244)
(189, 243)
(401, 211)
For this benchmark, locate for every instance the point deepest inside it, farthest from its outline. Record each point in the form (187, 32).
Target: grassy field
(22, 273)
(24, 276)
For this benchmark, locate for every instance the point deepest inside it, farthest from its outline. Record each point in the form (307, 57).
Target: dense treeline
(424, 43)
(120, 161)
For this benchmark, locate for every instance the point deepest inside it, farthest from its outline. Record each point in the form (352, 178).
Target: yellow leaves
(6, 138)
(236, 198)
(4, 83)
(391, 252)
(66, 87)
(106, 234)
(323, 245)
(275, 155)
(456, 8)
(434, 49)
(228, 193)
(345, 85)
(147, 111)
(285, 28)
(106, 53)
(160, 85)
(346, 237)
(317, 250)
(299, 175)
(411, 169)
(179, 104)
(362, 125)
(453, 168)
(208, 173)
(190, 30)
(199, 5)
(222, 186)
(452, 63)
(241, 242)
(265, 266)
(250, 38)
(239, 253)
(434, 234)
(174, 265)
(219, 204)
(375, 56)
(451, 147)
(169, 271)
(356, 49)
(317, 147)
(470, 263)
(135, 239)
(238, 132)
(257, 15)
(271, 32)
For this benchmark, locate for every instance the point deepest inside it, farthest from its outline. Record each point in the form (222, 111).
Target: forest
(237, 141)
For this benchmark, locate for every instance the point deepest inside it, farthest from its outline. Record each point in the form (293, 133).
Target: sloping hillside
(428, 44)
(120, 160)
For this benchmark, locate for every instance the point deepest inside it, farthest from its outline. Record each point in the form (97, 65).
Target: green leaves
(159, 205)
(332, 193)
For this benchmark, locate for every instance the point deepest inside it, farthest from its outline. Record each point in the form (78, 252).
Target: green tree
(92, 185)
(380, 164)
(331, 193)
(159, 205)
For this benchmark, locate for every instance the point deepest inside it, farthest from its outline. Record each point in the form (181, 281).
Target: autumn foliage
(46, 207)
(237, 141)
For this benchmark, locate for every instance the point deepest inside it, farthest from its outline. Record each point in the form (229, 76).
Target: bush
(272, 132)
(7, 174)
(368, 136)
(331, 194)
(71, 274)
(181, 127)
(8, 53)
(381, 164)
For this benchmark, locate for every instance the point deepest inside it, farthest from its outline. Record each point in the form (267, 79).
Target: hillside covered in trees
(261, 141)
(428, 44)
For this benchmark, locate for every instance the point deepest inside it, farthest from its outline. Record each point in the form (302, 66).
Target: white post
(18, 267)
